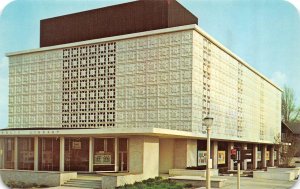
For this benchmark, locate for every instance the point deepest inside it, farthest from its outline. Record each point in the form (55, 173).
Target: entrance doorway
(110, 154)
(123, 154)
(77, 154)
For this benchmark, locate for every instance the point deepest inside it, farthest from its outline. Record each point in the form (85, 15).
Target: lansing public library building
(125, 89)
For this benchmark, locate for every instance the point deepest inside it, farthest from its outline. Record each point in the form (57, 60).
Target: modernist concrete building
(118, 89)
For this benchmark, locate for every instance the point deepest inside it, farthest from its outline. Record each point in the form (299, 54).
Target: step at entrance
(84, 183)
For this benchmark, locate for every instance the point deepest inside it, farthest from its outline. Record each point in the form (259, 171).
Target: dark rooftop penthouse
(132, 17)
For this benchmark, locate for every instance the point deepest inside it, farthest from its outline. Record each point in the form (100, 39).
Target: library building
(123, 91)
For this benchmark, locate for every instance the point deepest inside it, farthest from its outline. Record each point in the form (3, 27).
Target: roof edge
(147, 33)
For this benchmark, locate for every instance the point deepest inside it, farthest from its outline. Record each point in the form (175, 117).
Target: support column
(16, 153)
(263, 156)
(254, 156)
(272, 161)
(116, 155)
(62, 154)
(91, 153)
(36, 153)
(244, 164)
(214, 154)
(229, 160)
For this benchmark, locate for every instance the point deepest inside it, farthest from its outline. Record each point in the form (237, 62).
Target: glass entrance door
(123, 154)
(110, 154)
(104, 154)
(77, 154)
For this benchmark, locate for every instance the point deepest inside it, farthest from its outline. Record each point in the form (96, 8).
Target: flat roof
(149, 33)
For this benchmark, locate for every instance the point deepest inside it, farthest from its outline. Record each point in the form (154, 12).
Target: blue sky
(265, 33)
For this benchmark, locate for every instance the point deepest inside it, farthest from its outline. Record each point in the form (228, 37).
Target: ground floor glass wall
(123, 154)
(76, 154)
(106, 150)
(49, 154)
(9, 150)
(104, 154)
(107, 154)
(25, 153)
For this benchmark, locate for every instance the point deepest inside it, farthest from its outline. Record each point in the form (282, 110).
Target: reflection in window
(123, 154)
(9, 150)
(49, 154)
(104, 154)
(25, 153)
(76, 154)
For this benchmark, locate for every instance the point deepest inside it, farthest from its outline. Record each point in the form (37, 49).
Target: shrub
(286, 166)
(156, 183)
(188, 186)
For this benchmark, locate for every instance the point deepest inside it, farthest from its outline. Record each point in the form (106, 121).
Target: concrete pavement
(251, 183)
(246, 183)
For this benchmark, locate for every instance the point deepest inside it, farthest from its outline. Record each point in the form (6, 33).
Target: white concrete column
(244, 164)
(229, 160)
(36, 153)
(16, 153)
(62, 154)
(254, 156)
(214, 154)
(272, 161)
(91, 154)
(263, 156)
(116, 155)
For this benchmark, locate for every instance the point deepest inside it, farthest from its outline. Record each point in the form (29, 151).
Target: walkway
(251, 183)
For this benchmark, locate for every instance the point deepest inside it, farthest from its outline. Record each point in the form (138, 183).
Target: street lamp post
(208, 123)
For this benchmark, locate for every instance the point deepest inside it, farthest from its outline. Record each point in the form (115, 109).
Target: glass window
(49, 154)
(25, 153)
(76, 154)
(123, 154)
(9, 151)
(104, 154)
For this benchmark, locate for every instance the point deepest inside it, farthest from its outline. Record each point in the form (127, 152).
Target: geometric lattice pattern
(243, 105)
(35, 90)
(206, 59)
(154, 87)
(89, 86)
(167, 80)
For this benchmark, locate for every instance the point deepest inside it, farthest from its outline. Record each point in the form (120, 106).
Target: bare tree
(287, 146)
(290, 112)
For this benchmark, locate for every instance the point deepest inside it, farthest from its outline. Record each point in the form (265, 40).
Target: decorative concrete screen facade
(169, 79)
(35, 90)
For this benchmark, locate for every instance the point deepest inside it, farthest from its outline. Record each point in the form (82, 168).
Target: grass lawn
(156, 183)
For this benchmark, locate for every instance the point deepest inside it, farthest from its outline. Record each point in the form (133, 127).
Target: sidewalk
(250, 183)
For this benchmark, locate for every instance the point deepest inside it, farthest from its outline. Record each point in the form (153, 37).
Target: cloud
(3, 4)
(279, 78)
